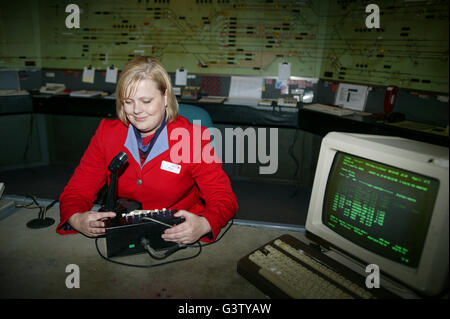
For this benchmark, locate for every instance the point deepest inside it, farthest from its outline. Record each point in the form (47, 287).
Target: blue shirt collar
(161, 144)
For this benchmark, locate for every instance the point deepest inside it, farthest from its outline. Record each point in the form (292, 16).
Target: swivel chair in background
(192, 112)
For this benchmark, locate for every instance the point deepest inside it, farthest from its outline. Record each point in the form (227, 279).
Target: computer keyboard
(13, 92)
(283, 269)
(289, 102)
(328, 109)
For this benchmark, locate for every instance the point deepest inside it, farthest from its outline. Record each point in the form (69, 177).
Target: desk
(33, 265)
(322, 123)
(220, 113)
(249, 115)
(234, 114)
(66, 105)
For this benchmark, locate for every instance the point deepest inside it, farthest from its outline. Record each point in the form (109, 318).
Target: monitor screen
(382, 208)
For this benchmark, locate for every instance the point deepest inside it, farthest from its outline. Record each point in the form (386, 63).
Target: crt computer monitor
(384, 200)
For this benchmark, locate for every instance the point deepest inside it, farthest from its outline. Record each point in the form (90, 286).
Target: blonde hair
(142, 68)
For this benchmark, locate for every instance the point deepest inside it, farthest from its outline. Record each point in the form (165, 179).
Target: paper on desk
(88, 75)
(442, 98)
(246, 87)
(352, 96)
(284, 89)
(85, 93)
(284, 71)
(111, 75)
(181, 77)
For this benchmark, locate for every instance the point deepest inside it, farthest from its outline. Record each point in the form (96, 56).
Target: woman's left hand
(189, 231)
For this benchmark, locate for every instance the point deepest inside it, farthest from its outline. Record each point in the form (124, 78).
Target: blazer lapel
(161, 146)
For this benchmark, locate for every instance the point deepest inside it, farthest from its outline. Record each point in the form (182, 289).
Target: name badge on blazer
(171, 167)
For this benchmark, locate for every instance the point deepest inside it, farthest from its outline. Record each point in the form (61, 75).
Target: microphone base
(40, 223)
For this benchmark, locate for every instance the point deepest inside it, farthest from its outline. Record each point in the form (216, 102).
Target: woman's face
(146, 108)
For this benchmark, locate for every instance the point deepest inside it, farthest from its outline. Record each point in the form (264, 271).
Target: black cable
(46, 208)
(167, 262)
(148, 266)
(30, 205)
(42, 209)
(52, 204)
(33, 198)
(221, 236)
(160, 255)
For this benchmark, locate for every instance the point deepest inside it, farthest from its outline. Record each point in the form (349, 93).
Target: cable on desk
(221, 236)
(34, 204)
(28, 206)
(148, 266)
(151, 253)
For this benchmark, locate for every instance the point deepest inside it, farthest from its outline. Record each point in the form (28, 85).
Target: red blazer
(199, 187)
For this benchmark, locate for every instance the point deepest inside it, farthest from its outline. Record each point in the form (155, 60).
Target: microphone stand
(110, 204)
(42, 220)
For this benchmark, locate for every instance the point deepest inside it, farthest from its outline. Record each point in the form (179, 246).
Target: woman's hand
(90, 223)
(188, 232)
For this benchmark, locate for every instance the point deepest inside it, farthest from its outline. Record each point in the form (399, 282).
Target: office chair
(192, 112)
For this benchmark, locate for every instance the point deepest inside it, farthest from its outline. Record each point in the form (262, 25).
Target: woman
(147, 115)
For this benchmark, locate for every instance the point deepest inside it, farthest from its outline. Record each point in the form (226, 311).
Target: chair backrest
(192, 112)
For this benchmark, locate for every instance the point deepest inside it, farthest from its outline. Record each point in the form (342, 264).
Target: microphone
(117, 162)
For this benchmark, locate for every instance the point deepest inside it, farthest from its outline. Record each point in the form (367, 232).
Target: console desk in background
(220, 113)
(234, 114)
(45, 120)
(321, 124)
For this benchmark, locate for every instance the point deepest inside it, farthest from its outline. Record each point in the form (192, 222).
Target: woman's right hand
(90, 223)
